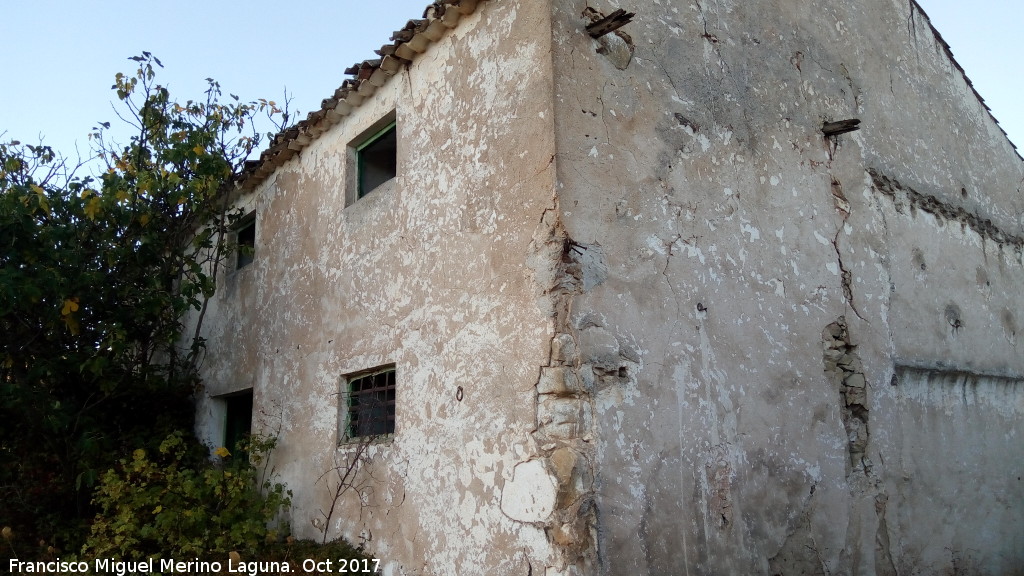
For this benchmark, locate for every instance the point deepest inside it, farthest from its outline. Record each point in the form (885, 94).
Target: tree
(96, 273)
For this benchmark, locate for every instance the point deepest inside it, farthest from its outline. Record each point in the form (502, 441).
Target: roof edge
(407, 43)
(914, 5)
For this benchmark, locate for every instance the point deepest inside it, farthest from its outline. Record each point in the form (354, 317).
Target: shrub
(171, 506)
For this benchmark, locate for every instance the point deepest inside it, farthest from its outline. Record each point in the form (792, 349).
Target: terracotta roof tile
(413, 39)
(949, 54)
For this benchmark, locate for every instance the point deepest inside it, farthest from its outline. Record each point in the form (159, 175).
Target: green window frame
(367, 407)
(377, 159)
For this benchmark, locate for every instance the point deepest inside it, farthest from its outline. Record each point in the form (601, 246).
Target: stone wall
(646, 317)
(430, 272)
(789, 329)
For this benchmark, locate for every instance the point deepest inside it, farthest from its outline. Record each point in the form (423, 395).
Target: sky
(60, 57)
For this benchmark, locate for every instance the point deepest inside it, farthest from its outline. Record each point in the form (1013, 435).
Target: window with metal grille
(368, 403)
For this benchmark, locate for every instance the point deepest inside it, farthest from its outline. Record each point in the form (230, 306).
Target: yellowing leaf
(144, 219)
(92, 207)
(199, 149)
(41, 194)
(158, 509)
(121, 195)
(66, 311)
(70, 305)
(72, 324)
(222, 452)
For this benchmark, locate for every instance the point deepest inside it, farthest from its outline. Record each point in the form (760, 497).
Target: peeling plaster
(646, 318)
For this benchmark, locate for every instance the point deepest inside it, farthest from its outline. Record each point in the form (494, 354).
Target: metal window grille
(369, 404)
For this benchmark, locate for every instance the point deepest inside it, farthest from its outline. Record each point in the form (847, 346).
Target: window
(245, 237)
(376, 157)
(367, 406)
(237, 420)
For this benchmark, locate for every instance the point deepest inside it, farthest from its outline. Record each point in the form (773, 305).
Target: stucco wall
(801, 352)
(432, 273)
(646, 317)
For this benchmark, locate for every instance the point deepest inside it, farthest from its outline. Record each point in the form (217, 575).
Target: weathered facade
(644, 315)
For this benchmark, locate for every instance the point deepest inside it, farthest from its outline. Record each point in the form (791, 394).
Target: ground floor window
(367, 407)
(237, 420)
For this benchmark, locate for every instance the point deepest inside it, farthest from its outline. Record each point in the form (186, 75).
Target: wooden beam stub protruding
(610, 23)
(840, 127)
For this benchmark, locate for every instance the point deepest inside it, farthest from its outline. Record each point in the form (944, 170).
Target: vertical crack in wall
(884, 564)
(800, 552)
(845, 275)
(844, 369)
(564, 425)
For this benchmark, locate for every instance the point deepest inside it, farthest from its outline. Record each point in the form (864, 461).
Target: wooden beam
(610, 23)
(840, 127)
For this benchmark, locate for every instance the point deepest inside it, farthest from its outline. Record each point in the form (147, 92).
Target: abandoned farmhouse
(716, 287)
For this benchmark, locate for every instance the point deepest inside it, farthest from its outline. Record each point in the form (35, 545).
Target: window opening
(245, 237)
(368, 404)
(237, 421)
(377, 160)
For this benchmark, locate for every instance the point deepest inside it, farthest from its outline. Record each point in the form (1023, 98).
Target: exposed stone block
(563, 349)
(563, 418)
(557, 380)
(856, 396)
(855, 380)
(600, 348)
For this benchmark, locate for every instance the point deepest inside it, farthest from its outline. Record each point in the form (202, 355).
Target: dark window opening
(377, 160)
(369, 404)
(237, 421)
(245, 236)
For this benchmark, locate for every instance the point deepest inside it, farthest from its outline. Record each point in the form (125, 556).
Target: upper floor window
(245, 238)
(376, 157)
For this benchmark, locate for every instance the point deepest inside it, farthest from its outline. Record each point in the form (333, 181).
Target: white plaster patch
(705, 142)
(746, 228)
(530, 495)
(656, 244)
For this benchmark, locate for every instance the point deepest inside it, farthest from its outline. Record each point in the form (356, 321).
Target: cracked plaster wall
(432, 272)
(760, 289)
(660, 288)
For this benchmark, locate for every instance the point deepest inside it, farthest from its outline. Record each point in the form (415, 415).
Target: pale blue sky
(60, 56)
